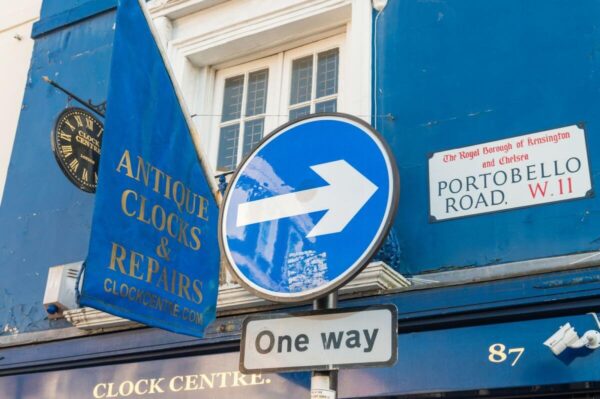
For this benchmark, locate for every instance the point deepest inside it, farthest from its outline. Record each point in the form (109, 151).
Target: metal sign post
(323, 384)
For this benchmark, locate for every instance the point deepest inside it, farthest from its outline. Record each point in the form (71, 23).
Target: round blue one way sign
(308, 207)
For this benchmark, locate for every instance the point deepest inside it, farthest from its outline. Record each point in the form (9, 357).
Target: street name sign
(320, 340)
(309, 207)
(517, 172)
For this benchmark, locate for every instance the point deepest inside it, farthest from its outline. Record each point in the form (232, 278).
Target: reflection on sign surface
(308, 207)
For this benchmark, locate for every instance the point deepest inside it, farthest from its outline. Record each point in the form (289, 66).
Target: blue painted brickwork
(457, 73)
(52, 8)
(45, 219)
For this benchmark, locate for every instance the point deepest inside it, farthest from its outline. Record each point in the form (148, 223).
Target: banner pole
(324, 384)
(202, 157)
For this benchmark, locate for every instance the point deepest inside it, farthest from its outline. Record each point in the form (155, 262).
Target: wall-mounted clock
(76, 142)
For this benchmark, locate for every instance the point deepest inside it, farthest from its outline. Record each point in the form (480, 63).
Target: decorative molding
(233, 298)
(37, 337)
(261, 22)
(164, 27)
(509, 270)
(177, 8)
(376, 277)
(92, 319)
(237, 32)
(285, 25)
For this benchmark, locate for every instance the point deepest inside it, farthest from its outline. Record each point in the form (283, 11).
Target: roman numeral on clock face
(67, 150)
(69, 124)
(74, 164)
(64, 136)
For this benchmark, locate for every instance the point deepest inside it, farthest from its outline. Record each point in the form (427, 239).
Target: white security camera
(566, 337)
(560, 340)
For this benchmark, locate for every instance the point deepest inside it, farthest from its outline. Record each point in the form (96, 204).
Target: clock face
(76, 142)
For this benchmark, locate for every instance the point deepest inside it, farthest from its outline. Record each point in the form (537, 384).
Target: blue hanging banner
(153, 256)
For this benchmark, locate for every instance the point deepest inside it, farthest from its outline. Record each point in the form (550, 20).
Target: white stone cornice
(312, 15)
(233, 298)
(92, 319)
(178, 8)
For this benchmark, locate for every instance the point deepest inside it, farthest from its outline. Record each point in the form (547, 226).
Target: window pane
(253, 132)
(299, 112)
(327, 73)
(257, 92)
(228, 144)
(301, 80)
(326, 106)
(232, 98)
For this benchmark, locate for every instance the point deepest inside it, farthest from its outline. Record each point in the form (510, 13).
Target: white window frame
(278, 89)
(272, 64)
(203, 36)
(337, 41)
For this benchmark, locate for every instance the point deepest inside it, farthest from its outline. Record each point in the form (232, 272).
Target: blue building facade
(41, 210)
(486, 288)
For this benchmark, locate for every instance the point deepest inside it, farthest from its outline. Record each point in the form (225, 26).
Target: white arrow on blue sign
(309, 207)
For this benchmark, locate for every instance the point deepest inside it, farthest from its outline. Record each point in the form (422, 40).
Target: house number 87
(499, 354)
